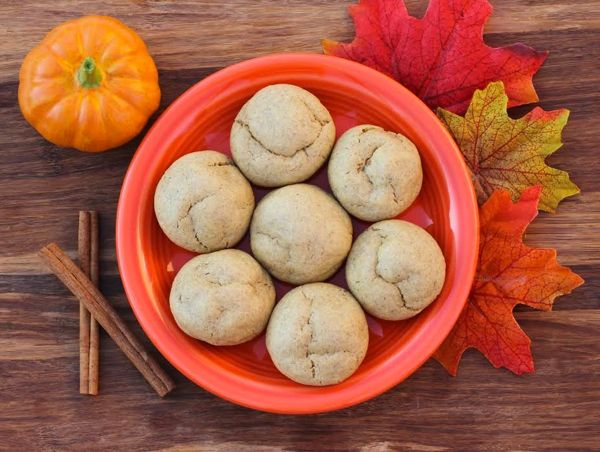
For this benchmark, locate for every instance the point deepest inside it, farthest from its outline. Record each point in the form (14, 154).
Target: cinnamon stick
(85, 291)
(83, 248)
(94, 328)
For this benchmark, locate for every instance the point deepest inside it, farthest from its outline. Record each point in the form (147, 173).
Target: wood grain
(42, 188)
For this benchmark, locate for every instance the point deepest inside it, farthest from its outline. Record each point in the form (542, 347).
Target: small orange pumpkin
(90, 84)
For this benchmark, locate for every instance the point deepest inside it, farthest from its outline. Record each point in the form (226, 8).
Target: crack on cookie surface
(396, 284)
(375, 183)
(227, 163)
(394, 194)
(310, 328)
(302, 150)
(376, 186)
(278, 241)
(315, 118)
(312, 332)
(362, 167)
(191, 206)
(200, 242)
(310, 355)
(187, 215)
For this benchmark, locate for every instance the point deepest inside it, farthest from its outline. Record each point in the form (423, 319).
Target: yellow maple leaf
(506, 153)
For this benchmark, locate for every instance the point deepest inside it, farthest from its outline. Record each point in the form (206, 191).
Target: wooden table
(42, 188)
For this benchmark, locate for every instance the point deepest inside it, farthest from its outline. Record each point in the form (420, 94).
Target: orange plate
(201, 119)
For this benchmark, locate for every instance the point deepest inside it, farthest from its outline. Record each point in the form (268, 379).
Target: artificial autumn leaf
(442, 57)
(508, 273)
(509, 153)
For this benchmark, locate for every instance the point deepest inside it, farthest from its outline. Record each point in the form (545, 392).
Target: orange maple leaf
(510, 153)
(509, 273)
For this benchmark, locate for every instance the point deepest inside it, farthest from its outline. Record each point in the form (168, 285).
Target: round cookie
(203, 203)
(300, 234)
(317, 335)
(395, 269)
(223, 298)
(374, 174)
(281, 136)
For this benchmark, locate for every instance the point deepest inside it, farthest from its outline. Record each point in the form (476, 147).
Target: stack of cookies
(317, 333)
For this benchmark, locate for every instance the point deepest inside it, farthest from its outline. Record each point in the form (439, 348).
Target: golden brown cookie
(300, 234)
(223, 298)
(395, 269)
(281, 136)
(374, 174)
(203, 203)
(317, 335)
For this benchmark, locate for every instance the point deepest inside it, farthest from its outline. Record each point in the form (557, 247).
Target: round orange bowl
(201, 119)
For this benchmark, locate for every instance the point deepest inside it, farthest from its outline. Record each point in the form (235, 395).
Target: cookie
(223, 298)
(203, 203)
(374, 174)
(300, 234)
(395, 269)
(281, 136)
(317, 335)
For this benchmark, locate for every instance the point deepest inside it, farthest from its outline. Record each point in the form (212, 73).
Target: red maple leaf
(442, 57)
(509, 273)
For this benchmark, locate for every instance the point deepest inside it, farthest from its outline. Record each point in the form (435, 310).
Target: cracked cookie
(300, 234)
(317, 335)
(223, 298)
(374, 174)
(281, 136)
(203, 203)
(395, 269)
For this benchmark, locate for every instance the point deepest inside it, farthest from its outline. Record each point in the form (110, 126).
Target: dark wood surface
(42, 188)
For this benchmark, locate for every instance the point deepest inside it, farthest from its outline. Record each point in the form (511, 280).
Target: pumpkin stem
(88, 74)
